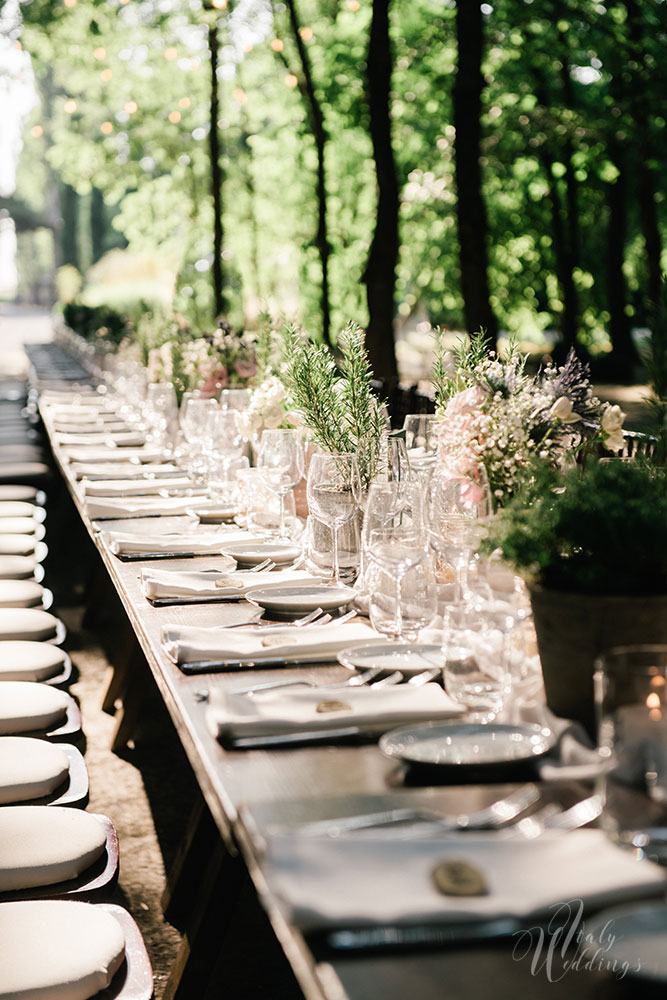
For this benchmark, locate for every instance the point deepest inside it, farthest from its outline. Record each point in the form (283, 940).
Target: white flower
(615, 441)
(273, 415)
(562, 410)
(612, 419)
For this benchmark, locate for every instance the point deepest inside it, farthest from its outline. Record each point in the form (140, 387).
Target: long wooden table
(245, 791)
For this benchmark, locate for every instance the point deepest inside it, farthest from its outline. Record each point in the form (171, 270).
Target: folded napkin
(110, 453)
(139, 506)
(81, 428)
(162, 584)
(573, 758)
(296, 710)
(316, 644)
(122, 470)
(351, 882)
(204, 543)
(122, 439)
(135, 487)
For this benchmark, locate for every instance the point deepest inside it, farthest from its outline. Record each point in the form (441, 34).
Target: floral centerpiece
(496, 418)
(209, 362)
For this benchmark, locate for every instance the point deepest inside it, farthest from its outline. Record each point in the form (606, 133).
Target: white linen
(313, 644)
(354, 881)
(139, 506)
(26, 707)
(297, 710)
(201, 543)
(28, 660)
(27, 623)
(96, 426)
(57, 949)
(122, 470)
(135, 487)
(117, 439)
(165, 583)
(99, 453)
(43, 846)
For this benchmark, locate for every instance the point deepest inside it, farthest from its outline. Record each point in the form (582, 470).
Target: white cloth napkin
(164, 583)
(93, 426)
(122, 470)
(110, 453)
(298, 710)
(134, 487)
(120, 439)
(204, 543)
(347, 881)
(316, 644)
(139, 506)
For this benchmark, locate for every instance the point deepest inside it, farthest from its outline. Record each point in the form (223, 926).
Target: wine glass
(223, 445)
(281, 461)
(332, 484)
(474, 671)
(421, 438)
(403, 598)
(161, 411)
(456, 511)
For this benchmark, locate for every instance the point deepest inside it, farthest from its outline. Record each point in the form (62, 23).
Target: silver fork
(578, 815)
(315, 617)
(266, 564)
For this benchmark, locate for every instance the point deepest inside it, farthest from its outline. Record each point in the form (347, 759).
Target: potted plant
(592, 547)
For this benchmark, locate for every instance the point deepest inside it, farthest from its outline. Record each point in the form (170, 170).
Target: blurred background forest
(406, 163)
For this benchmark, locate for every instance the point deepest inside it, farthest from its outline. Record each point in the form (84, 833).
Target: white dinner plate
(409, 658)
(251, 553)
(457, 744)
(300, 598)
(630, 937)
(213, 513)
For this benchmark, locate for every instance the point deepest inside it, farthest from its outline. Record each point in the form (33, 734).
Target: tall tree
(216, 169)
(380, 273)
(471, 210)
(321, 137)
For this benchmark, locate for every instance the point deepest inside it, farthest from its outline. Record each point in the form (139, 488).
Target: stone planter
(573, 629)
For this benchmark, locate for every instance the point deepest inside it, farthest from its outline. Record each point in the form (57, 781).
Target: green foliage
(97, 322)
(337, 404)
(603, 531)
(654, 356)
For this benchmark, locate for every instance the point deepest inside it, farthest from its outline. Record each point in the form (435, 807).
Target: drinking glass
(280, 460)
(234, 399)
(403, 595)
(630, 684)
(161, 412)
(332, 483)
(455, 514)
(224, 445)
(473, 666)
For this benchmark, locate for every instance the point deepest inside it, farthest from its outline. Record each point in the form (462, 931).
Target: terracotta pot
(573, 629)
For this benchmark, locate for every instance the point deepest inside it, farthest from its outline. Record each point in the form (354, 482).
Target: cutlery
(421, 935)
(317, 616)
(266, 564)
(357, 680)
(578, 815)
(492, 817)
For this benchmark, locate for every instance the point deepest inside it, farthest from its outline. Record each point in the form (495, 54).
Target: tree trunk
(380, 273)
(216, 173)
(98, 224)
(471, 211)
(645, 178)
(564, 266)
(69, 225)
(321, 138)
(619, 326)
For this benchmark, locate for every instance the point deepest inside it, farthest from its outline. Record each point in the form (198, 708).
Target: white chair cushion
(18, 525)
(26, 623)
(26, 707)
(16, 545)
(16, 567)
(30, 769)
(57, 950)
(23, 660)
(44, 845)
(20, 594)
(16, 508)
(25, 494)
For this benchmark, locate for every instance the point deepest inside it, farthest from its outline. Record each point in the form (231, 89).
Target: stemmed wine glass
(281, 462)
(225, 444)
(456, 510)
(333, 484)
(400, 557)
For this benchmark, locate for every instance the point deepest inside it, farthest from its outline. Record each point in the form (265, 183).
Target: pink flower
(468, 401)
(218, 379)
(245, 369)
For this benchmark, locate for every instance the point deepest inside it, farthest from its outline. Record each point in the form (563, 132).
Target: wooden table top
(249, 789)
